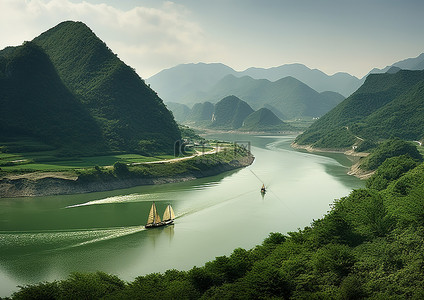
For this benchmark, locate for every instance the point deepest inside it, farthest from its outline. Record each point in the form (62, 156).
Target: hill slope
(37, 107)
(130, 115)
(201, 112)
(386, 105)
(180, 111)
(264, 120)
(230, 113)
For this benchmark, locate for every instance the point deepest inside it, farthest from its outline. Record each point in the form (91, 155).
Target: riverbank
(122, 176)
(354, 157)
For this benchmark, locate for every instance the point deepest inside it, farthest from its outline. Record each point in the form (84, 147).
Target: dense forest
(387, 105)
(369, 245)
(67, 91)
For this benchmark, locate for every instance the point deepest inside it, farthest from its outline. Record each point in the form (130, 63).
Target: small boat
(263, 190)
(154, 219)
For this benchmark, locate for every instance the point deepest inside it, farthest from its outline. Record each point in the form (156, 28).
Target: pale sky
(350, 36)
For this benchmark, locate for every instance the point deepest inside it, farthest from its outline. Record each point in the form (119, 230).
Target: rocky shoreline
(46, 185)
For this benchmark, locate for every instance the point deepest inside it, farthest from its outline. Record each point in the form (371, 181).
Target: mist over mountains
(190, 83)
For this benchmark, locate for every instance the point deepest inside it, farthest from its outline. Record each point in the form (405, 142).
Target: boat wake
(120, 199)
(109, 234)
(49, 240)
(208, 205)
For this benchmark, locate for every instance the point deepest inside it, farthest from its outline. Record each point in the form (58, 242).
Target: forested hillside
(385, 106)
(230, 113)
(131, 116)
(264, 120)
(38, 112)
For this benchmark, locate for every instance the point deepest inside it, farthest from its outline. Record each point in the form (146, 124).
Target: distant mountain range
(192, 83)
(416, 63)
(66, 90)
(289, 96)
(230, 113)
(387, 105)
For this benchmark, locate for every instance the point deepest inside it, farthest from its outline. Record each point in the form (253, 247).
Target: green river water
(46, 238)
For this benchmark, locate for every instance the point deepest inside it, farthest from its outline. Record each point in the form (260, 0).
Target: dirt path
(199, 153)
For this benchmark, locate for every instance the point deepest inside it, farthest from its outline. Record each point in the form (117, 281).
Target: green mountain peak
(128, 115)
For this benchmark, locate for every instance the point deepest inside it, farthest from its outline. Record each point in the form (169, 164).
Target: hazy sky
(150, 35)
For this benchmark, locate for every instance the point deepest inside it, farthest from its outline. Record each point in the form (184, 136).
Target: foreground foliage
(388, 149)
(369, 245)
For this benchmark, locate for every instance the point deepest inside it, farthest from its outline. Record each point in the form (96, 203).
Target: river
(46, 238)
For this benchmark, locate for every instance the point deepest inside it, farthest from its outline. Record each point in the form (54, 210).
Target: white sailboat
(154, 219)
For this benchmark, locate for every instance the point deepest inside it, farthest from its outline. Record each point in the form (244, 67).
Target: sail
(153, 215)
(168, 214)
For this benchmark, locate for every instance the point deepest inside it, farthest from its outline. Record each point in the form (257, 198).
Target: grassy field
(43, 161)
(49, 161)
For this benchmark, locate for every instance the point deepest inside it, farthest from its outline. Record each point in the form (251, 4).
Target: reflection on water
(46, 238)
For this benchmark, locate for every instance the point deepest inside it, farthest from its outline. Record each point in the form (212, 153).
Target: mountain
(230, 113)
(36, 107)
(187, 83)
(342, 83)
(201, 112)
(393, 70)
(190, 83)
(277, 112)
(415, 63)
(127, 114)
(288, 95)
(264, 120)
(385, 106)
(180, 111)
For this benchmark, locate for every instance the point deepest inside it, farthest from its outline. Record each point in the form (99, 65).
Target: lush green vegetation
(385, 106)
(387, 149)
(42, 161)
(230, 113)
(193, 166)
(37, 111)
(369, 245)
(190, 133)
(264, 120)
(66, 90)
